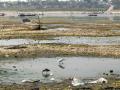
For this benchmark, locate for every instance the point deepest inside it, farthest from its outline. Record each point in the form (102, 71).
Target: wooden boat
(2, 14)
(33, 26)
(92, 15)
(26, 14)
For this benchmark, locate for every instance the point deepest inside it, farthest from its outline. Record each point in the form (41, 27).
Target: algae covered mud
(87, 48)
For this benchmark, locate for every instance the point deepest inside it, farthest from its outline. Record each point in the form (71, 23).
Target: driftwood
(15, 47)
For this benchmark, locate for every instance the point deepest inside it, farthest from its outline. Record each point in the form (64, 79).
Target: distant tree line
(59, 5)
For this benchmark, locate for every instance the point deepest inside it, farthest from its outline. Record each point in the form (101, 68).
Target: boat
(33, 26)
(105, 13)
(2, 14)
(26, 14)
(93, 14)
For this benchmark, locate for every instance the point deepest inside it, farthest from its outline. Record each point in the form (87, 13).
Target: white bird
(61, 63)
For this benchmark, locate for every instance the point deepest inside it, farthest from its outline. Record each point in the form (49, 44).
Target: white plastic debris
(51, 74)
(76, 82)
(24, 81)
(30, 81)
(100, 80)
(52, 79)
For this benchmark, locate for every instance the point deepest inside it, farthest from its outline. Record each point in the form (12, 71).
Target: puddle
(85, 40)
(59, 29)
(116, 31)
(82, 67)
(66, 40)
(88, 40)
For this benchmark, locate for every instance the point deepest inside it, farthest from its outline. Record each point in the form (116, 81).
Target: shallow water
(66, 40)
(81, 67)
(73, 16)
(89, 40)
(5, 42)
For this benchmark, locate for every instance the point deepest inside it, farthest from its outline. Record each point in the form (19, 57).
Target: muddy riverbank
(66, 30)
(64, 85)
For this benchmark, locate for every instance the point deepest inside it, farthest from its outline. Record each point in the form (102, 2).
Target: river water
(65, 40)
(81, 67)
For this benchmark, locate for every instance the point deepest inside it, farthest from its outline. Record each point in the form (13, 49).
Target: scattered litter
(51, 74)
(100, 80)
(76, 82)
(52, 79)
(30, 81)
(24, 81)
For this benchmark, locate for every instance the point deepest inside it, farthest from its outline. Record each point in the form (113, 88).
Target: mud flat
(37, 34)
(50, 50)
(91, 30)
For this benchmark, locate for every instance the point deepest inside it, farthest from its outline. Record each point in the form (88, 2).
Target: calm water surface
(73, 66)
(66, 40)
